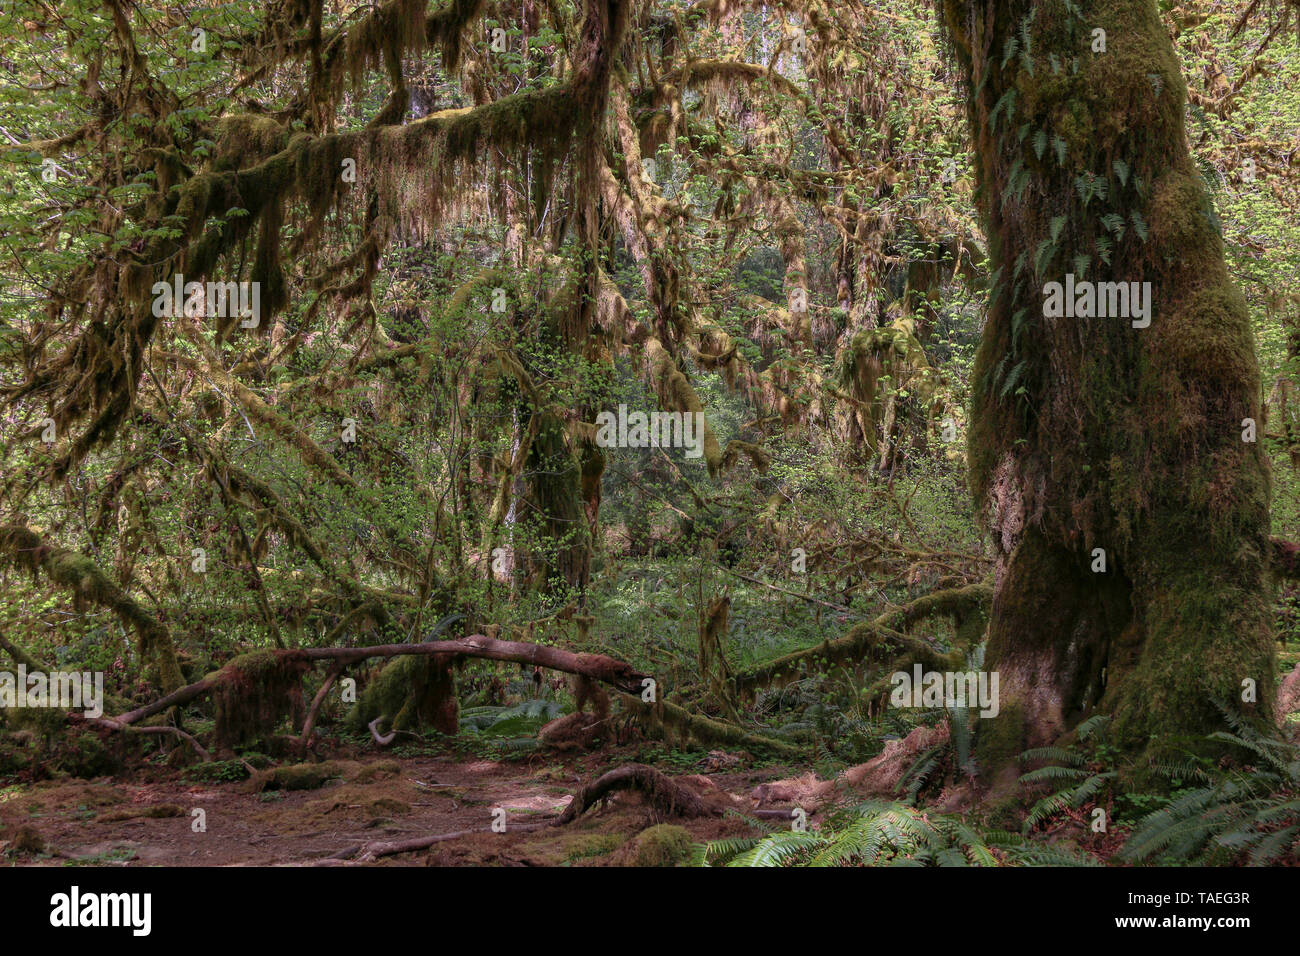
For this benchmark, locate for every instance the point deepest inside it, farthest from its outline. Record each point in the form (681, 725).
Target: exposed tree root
(666, 795)
(879, 776)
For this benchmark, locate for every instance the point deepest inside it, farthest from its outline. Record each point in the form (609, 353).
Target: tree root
(879, 776)
(667, 796)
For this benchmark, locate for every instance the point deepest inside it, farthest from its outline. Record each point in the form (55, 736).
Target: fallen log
(704, 729)
(608, 670)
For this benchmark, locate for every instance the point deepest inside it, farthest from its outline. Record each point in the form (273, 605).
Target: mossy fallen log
(270, 677)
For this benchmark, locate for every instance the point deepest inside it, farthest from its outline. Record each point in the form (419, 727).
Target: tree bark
(1092, 433)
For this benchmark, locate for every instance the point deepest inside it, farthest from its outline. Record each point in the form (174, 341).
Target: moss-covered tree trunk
(1107, 437)
(559, 548)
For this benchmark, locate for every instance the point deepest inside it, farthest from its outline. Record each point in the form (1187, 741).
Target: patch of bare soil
(287, 818)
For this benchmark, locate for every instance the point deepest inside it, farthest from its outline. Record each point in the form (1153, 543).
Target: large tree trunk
(1094, 433)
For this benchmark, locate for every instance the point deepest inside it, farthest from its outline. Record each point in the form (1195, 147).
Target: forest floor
(115, 821)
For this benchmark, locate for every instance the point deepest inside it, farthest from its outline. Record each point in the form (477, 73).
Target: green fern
(876, 833)
(1080, 774)
(1249, 815)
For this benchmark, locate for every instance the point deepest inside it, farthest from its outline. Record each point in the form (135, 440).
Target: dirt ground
(374, 798)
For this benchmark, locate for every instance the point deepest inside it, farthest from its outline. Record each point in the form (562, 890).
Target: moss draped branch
(22, 547)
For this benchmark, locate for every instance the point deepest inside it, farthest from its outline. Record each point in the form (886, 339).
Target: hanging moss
(254, 693)
(26, 549)
(411, 693)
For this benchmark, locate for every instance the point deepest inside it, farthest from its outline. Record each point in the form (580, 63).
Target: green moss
(1002, 739)
(376, 771)
(407, 692)
(83, 754)
(217, 771)
(303, 776)
(662, 845)
(1176, 214)
(593, 845)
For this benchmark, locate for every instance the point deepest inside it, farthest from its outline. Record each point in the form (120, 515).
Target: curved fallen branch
(382, 740)
(666, 796)
(365, 852)
(316, 703)
(151, 729)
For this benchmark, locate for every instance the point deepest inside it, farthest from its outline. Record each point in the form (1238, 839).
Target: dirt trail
(376, 798)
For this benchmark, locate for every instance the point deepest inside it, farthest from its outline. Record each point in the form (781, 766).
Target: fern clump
(1081, 775)
(1247, 815)
(875, 833)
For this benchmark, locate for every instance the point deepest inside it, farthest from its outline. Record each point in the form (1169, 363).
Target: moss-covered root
(665, 795)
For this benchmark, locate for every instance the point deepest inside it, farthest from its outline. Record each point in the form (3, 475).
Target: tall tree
(1129, 516)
